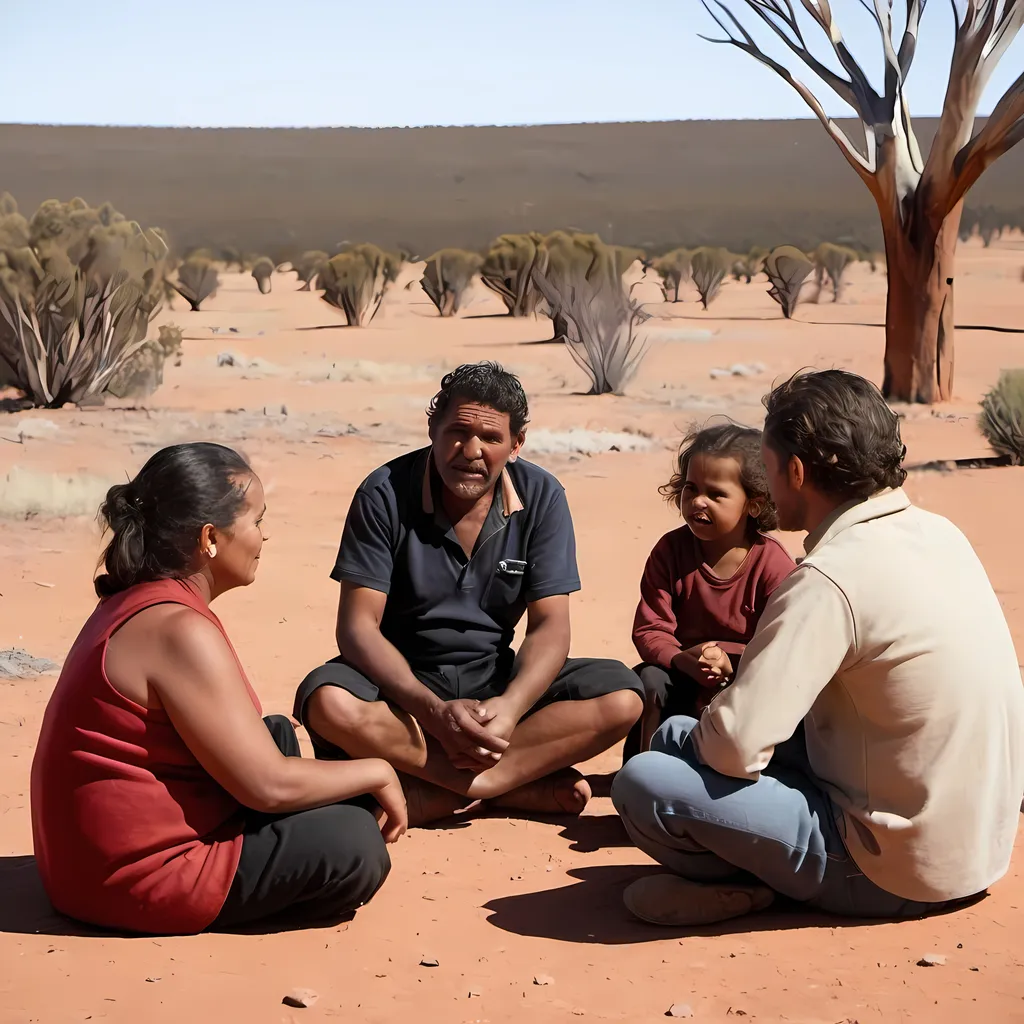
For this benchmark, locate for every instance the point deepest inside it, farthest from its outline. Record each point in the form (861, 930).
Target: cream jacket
(889, 642)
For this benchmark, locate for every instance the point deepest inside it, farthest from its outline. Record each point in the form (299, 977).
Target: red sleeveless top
(130, 832)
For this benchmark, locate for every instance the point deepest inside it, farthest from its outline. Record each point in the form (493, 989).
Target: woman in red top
(706, 584)
(161, 801)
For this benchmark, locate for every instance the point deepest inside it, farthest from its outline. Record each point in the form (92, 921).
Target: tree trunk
(919, 312)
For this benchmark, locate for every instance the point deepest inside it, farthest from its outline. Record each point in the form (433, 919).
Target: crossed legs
(534, 773)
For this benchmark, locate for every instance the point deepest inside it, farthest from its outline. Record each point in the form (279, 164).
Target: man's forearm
(383, 664)
(541, 657)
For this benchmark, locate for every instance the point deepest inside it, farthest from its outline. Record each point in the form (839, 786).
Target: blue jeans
(781, 829)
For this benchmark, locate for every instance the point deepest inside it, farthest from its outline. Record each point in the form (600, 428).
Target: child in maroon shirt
(706, 584)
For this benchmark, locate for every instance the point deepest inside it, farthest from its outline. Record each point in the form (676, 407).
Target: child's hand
(715, 665)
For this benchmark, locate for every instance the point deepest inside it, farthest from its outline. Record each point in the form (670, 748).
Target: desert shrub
(831, 262)
(709, 267)
(508, 270)
(674, 270)
(747, 267)
(355, 281)
(262, 271)
(447, 277)
(1002, 416)
(581, 281)
(75, 301)
(197, 281)
(308, 265)
(787, 268)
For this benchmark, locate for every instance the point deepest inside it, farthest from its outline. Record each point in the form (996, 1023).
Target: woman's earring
(212, 551)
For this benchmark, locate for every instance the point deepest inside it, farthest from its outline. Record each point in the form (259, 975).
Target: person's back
(123, 815)
(868, 760)
(931, 812)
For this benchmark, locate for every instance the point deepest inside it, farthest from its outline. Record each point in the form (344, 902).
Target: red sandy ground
(495, 901)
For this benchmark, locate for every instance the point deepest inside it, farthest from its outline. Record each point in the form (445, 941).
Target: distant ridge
(655, 184)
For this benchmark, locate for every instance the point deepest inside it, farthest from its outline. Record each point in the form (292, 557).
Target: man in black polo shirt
(443, 551)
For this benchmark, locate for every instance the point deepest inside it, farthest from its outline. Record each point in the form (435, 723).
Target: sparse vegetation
(197, 280)
(308, 266)
(1002, 416)
(709, 267)
(355, 281)
(787, 268)
(76, 298)
(143, 371)
(831, 262)
(262, 272)
(746, 268)
(508, 269)
(674, 270)
(580, 279)
(447, 277)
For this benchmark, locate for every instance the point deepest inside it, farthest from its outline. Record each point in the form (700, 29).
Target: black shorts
(579, 679)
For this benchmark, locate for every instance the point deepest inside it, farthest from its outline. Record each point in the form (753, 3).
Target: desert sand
(497, 901)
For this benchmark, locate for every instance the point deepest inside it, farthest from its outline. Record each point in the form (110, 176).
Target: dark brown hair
(840, 427)
(488, 383)
(727, 440)
(156, 518)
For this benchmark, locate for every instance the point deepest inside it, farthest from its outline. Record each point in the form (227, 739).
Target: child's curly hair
(727, 440)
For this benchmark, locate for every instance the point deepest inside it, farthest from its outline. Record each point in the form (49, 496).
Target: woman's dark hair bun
(156, 518)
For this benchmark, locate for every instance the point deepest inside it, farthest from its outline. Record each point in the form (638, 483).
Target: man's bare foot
(428, 803)
(562, 792)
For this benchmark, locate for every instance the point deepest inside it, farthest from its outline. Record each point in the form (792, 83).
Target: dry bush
(831, 261)
(709, 267)
(262, 272)
(447, 277)
(197, 281)
(143, 372)
(746, 268)
(308, 266)
(76, 300)
(787, 268)
(355, 281)
(508, 270)
(1002, 416)
(581, 281)
(674, 270)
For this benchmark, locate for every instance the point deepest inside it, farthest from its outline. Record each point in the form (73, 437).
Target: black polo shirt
(442, 607)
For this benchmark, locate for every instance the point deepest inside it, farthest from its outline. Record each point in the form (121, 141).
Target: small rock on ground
(301, 998)
(679, 1010)
(18, 664)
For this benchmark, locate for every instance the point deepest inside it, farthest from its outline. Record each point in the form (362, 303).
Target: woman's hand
(391, 797)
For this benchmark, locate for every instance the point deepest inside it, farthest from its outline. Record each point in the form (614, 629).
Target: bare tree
(919, 199)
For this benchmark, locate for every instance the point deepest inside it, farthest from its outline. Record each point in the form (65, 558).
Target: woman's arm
(198, 682)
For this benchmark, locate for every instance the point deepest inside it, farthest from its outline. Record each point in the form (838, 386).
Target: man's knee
(651, 778)
(334, 713)
(622, 708)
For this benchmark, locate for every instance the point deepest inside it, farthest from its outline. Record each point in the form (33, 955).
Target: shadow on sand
(26, 910)
(591, 911)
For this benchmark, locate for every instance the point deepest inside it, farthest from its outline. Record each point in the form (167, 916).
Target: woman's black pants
(309, 866)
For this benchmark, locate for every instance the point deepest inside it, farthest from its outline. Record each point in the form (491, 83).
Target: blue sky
(412, 62)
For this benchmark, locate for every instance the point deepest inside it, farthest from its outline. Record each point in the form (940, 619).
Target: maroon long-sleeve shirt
(683, 603)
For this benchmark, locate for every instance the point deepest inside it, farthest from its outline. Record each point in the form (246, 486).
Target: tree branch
(1003, 130)
(855, 158)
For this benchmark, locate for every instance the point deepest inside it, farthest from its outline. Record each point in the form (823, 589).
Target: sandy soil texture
(498, 902)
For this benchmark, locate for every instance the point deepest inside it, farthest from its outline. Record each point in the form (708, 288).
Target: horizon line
(421, 127)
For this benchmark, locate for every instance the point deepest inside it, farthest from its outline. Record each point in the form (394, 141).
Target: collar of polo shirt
(510, 500)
